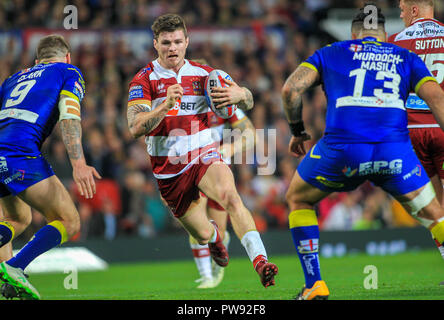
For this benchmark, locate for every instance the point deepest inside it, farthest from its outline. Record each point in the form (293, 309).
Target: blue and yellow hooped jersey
(29, 104)
(366, 83)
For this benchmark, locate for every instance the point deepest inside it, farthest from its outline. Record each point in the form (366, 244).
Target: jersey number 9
(19, 93)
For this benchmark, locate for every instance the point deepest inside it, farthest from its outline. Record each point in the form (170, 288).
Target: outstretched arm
(297, 83)
(71, 129)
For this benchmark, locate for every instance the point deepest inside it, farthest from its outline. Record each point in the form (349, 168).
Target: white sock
(202, 259)
(253, 245)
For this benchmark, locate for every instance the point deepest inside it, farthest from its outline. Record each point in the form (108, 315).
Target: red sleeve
(139, 87)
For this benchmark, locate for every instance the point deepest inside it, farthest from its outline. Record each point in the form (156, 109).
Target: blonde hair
(52, 46)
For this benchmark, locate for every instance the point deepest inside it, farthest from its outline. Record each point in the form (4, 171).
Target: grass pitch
(407, 276)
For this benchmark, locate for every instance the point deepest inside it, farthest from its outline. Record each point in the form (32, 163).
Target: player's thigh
(302, 195)
(51, 199)
(16, 211)
(196, 222)
(422, 203)
(218, 183)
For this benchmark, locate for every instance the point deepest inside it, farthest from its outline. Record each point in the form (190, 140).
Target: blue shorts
(18, 173)
(393, 166)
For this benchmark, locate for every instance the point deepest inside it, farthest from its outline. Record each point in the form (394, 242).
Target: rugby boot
(218, 271)
(217, 249)
(206, 283)
(266, 271)
(318, 291)
(17, 278)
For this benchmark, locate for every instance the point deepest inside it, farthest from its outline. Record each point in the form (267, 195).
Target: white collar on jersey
(419, 19)
(171, 72)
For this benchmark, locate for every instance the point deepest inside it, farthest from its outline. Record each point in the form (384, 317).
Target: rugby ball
(216, 79)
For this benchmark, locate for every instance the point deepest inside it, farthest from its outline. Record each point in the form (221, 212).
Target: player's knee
(203, 236)
(231, 201)
(292, 198)
(72, 225)
(21, 223)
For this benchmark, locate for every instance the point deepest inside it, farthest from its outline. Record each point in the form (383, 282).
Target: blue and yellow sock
(6, 233)
(305, 232)
(46, 238)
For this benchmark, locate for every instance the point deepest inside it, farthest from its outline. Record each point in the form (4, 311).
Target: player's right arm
(71, 130)
(142, 120)
(432, 93)
(304, 77)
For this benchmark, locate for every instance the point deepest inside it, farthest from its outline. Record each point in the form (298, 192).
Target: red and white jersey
(218, 125)
(183, 137)
(425, 37)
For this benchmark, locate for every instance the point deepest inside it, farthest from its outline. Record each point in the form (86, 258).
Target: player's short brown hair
(429, 3)
(358, 22)
(52, 46)
(168, 23)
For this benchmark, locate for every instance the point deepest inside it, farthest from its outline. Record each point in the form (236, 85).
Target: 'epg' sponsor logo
(380, 167)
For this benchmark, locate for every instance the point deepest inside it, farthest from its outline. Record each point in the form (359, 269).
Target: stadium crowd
(127, 201)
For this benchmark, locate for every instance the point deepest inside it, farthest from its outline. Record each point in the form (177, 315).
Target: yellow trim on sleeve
(61, 228)
(308, 65)
(302, 218)
(69, 94)
(422, 81)
(139, 101)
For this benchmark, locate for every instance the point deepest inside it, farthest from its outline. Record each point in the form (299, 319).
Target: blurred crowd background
(127, 202)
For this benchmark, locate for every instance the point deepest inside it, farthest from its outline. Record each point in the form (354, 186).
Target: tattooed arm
(233, 94)
(83, 174)
(297, 83)
(69, 118)
(142, 121)
(248, 102)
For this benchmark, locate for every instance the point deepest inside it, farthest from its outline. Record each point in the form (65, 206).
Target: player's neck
(425, 14)
(50, 61)
(176, 68)
(371, 35)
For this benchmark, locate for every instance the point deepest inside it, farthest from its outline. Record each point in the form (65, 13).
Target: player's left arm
(432, 93)
(71, 130)
(303, 78)
(246, 140)
(233, 94)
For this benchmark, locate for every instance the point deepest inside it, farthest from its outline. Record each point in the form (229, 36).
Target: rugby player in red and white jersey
(166, 104)
(236, 128)
(424, 35)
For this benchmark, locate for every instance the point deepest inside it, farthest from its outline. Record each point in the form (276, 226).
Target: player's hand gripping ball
(216, 79)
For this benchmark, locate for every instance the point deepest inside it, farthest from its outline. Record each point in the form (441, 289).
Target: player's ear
(36, 61)
(68, 58)
(155, 43)
(414, 11)
(354, 36)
